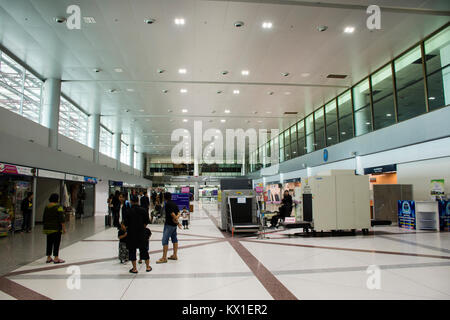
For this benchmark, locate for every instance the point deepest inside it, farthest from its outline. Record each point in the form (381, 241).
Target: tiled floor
(212, 265)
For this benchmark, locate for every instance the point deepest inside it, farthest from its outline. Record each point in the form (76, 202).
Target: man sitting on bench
(284, 210)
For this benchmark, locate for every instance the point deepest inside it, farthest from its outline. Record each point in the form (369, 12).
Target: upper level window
(73, 123)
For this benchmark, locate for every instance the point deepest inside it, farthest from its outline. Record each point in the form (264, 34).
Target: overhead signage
(90, 180)
(12, 169)
(73, 177)
(381, 169)
(437, 189)
(185, 190)
(181, 200)
(116, 183)
(51, 174)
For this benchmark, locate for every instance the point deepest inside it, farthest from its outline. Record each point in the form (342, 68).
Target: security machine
(337, 200)
(239, 211)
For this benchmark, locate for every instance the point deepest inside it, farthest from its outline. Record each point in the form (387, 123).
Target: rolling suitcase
(108, 220)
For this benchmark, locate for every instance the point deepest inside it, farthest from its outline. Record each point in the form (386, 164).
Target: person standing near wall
(27, 207)
(54, 227)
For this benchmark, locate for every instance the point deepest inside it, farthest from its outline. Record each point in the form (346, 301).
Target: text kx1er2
(239, 309)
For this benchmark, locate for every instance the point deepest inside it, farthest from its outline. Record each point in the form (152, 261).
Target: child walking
(123, 250)
(185, 218)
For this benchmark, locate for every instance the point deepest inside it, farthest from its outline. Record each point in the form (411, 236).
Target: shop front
(15, 183)
(79, 195)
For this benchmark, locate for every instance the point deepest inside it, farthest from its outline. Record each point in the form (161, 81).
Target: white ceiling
(206, 45)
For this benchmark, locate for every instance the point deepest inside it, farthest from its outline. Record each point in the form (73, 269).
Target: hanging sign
(90, 180)
(73, 177)
(12, 169)
(51, 174)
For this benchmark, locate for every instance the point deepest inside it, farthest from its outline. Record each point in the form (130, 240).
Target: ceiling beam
(346, 6)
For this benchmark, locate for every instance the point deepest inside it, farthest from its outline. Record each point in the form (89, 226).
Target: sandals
(49, 261)
(172, 258)
(59, 261)
(131, 271)
(149, 270)
(161, 261)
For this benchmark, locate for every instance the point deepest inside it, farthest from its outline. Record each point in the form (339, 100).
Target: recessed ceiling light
(184, 110)
(183, 90)
(305, 74)
(141, 110)
(267, 25)
(431, 98)
(322, 28)
(130, 90)
(182, 71)
(270, 93)
(287, 93)
(118, 70)
(160, 70)
(169, 110)
(179, 21)
(149, 21)
(238, 24)
(219, 92)
(368, 123)
(329, 138)
(59, 19)
(343, 132)
(285, 74)
(235, 91)
(165, 91)
(388, 115)
(245, 72)
(349, 29)
(259, 121)
(147, 120)
(268, 112)
(185, 120)
(227, 111)
(223, 120)
(225, 72)
(96, 70)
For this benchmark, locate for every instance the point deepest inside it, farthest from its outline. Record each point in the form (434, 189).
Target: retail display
(406, 214)
(427, 215)
(444, 215)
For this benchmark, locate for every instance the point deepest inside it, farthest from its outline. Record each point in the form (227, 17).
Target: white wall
(75, 148)
(420, 173)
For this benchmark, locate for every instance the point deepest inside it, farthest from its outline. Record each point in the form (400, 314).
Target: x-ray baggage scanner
(239, 211)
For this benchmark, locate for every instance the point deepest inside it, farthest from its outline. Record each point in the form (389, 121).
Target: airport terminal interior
(287, 150)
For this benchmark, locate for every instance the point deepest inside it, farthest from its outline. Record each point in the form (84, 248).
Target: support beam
(50, 109)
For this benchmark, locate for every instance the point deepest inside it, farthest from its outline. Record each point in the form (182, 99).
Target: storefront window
(331, 119)
(383, 98)
(410, 85)
(20, 91)
(345, 116)
(309, 134)
(437, 56)
(361, 106)
(319, 127)
(73, 123)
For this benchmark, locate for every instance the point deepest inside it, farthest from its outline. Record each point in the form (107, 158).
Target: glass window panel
(319, 125)
(124, 153)
(309, 124)
(437, 53)
(287, 139)
(361, 95)
(410, 85)
(383, 98)
(287, 153)
(106, 141)
(363, 122)
(294, 150)
(293, 133)
(331, 120)
(301, 129)
(73, 123)
(345, 116)
(281, 154)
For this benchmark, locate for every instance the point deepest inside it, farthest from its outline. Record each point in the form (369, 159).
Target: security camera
(60, 19)
(149, 21)
(238, 24)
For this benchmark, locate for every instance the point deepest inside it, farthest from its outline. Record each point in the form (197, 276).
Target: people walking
(170, 228)
(54, 227)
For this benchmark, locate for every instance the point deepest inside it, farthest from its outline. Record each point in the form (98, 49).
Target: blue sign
(406, 214)
(181, 200)
(90, 180)
(325, 155)
(117, 183)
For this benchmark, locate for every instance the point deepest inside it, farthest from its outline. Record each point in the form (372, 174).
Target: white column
(94, 135)
(116, 148)
(196, 191)
(50, 109)
(131, 159)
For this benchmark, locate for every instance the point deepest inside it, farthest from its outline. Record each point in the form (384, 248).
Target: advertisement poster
(185, 190)
(437, 189)
(444, 215)
(406, 214)
(11, 169)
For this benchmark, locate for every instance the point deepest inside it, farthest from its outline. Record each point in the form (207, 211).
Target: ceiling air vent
(336, 76)
(290, 112)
